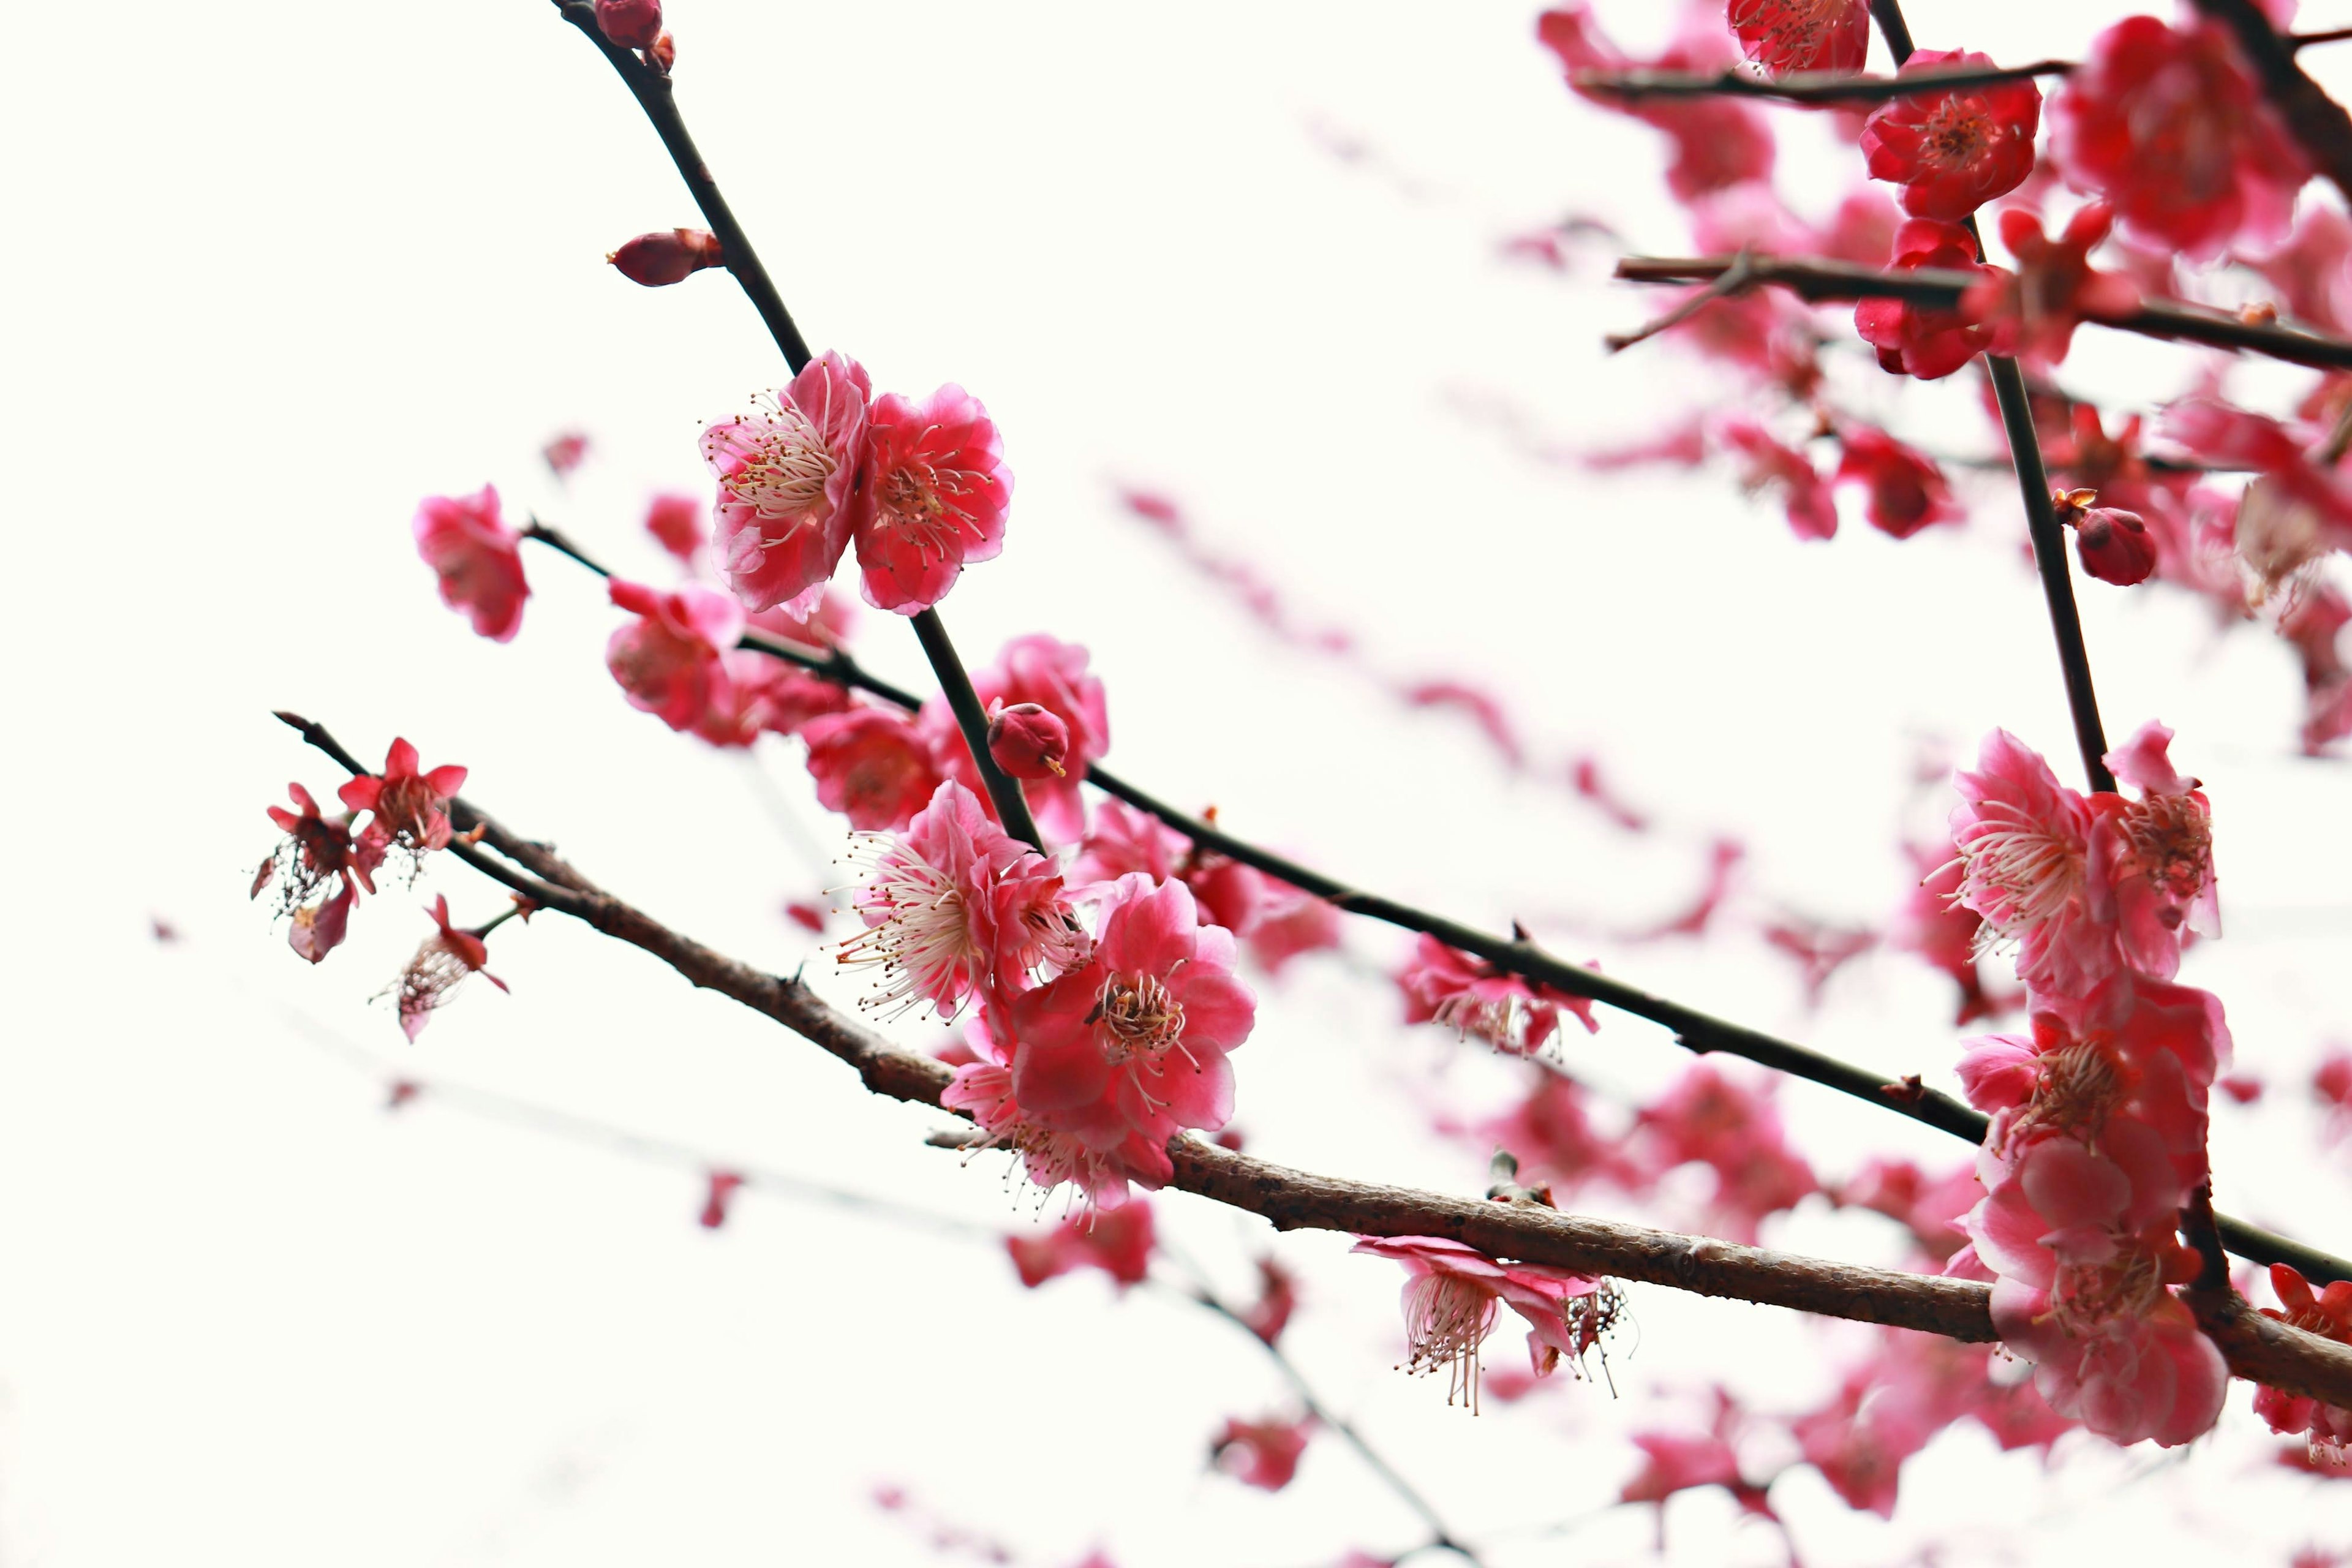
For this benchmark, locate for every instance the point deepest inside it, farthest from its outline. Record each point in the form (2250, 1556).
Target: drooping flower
(787, 477)
(1906, 490)
(2166, 125)
(956, 906)
(409, 802)
(445, 960)
(1118, 1242)
(1918, 340)
(1263, 1453)
(2024, 845)
(1454, 1292)
(478, 559)
(317, 930)
(936, 493)
(1785, 36)
(1053, 674)
(670, 660)
(2328, 1314)
(1955, 150)
(871, 765)
(316, 850)
(1469, 995)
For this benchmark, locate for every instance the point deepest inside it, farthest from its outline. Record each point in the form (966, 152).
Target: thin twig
(1734, 278)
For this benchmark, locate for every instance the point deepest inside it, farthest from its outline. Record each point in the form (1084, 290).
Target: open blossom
(787, 480)
(1118, 1242)
(2034, 311)
(1785, 36)
(1134, 1041)
(669, 661)
(1907, 491)
(956, 906)
(1263, 1453)
(2166, 125)
(1471, 997)
(409, 800)
(2329, 1315)
(1120, 840)
(445, 960)
(2024, 845)
(315, 850)
(1455, 1292)
(1919, 339)
(1935, 925)
(871, 765)
(1053, 674)
(936, 493)
(1955, 150)
(478, 559)
(1051, 1156)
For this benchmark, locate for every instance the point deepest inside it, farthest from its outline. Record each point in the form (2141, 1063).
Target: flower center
(2086, 1297)
(918, 501)
(783, 479)
(2078, 1086)
(1446, 1319)
(1957, 131)
(1135, 1017)
(2172, 846)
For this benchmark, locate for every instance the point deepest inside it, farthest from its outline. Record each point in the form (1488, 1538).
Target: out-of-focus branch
(2317, 121)
(1294, 1200)
(1822, 281)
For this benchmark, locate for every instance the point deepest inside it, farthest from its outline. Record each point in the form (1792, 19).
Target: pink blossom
(787, 477)
(1709, 1118)
(761, 695)
(1920, 340)
(1471, 997)
(2329, 1315)
(1454, 1292)
(477, 557)
(1134, 1043)
(1050, 1156)
(566, 453)
(1278, 1299)
(936, 493)
(1785, 36)
(827, 626)
(1552, 1134)
(2034, 311)
(1680, 1461)
(1717, 143)
(677, 525)
(446, 959)
(1053, 674)
(1955, 150)
(1289, 924)
(2297, 512)
(2153, 857)
(871, 765)
(1933, 924)
(317, 930)
(1118, 1242)
(1766, 465)
(1263, 1453)
(1121, 840)
(408, 802)
(669, 661)
(1931, 1207)
(1906, 490)
(315, 850)
(2024, 845)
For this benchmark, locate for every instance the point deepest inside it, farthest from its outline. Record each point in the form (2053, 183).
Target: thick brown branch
(2317, 121)
(1821, 280)
(1293, 1199)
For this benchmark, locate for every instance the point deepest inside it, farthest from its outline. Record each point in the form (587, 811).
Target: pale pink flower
(478, 559)
(445, 960)
(787, 477)
(870, 764)
(1471, 997)
(936, 492)
(669, 661)
(1455, 1292)
(2024, 847)
(1133, 1043)
(317, 930)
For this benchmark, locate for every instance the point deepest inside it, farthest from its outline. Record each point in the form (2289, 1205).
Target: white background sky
(277, 271)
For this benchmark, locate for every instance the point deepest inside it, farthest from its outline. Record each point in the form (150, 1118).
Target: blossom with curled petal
(2024, 840)
(2152, 858)
(1454, 1293)
(788, 475)
(442, 963)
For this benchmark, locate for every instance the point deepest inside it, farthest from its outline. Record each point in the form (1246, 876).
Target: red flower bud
(632, 23)
(1028, 742)
(668, 256)
(664, 54)
(2115, 545)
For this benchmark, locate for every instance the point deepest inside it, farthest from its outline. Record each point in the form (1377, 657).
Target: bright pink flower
(787, 477)
(1680, 1461)
(717, 1198)
(1918, 340)
(1848, 1445)
(1717, 143)
(1050, 1156)
(676, 522)
(477, 557)
(2033, 312)
(667, 255)
(1953, 150)
(764, 695)
(956, 906)
(2024, 845)
(1469, 996)
(1455, 1292)
(827, 626)
(1765, 464)
(1263, 1453)
(2168, 126)
(445, 960)
(632, 23)
(1028, 742)
(1785, 36)
(871, 765)
(2153, 857)
(1862, 230)
(1121, 840)
(1906, 489)
(408, 802)
(936, 492)
(670, 660)
(1133, 1044)
(2329, 1315)
(1118, 1242)
(1053, 674)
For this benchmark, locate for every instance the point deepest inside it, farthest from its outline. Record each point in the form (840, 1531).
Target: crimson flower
(788, 474)
(478, 559)
(1955, 150)
(871, 765)
(407, 801)
(667, 255)
(668, 661)
(2328, 1314)
(1785, 36)
(936, 490)
(1029, 743)
(2033, 312)
(1906, 490)
(1918, 340)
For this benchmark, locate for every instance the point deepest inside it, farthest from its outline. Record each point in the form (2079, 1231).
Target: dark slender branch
(1888, 15)
(538, 533)
(1820, 279)
(2317, 121)
(1295, 1200)
(656, 95)
(1012, 807)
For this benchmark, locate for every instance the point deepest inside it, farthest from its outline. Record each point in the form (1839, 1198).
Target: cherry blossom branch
(1821, 280)
(1294, 1200)
(1698, 1033)
(1012, 806)
(2315, 121)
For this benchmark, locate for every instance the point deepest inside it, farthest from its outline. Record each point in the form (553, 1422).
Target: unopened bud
(632, 23)
(2115, 546)
(668, 256)
(1028, 742)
